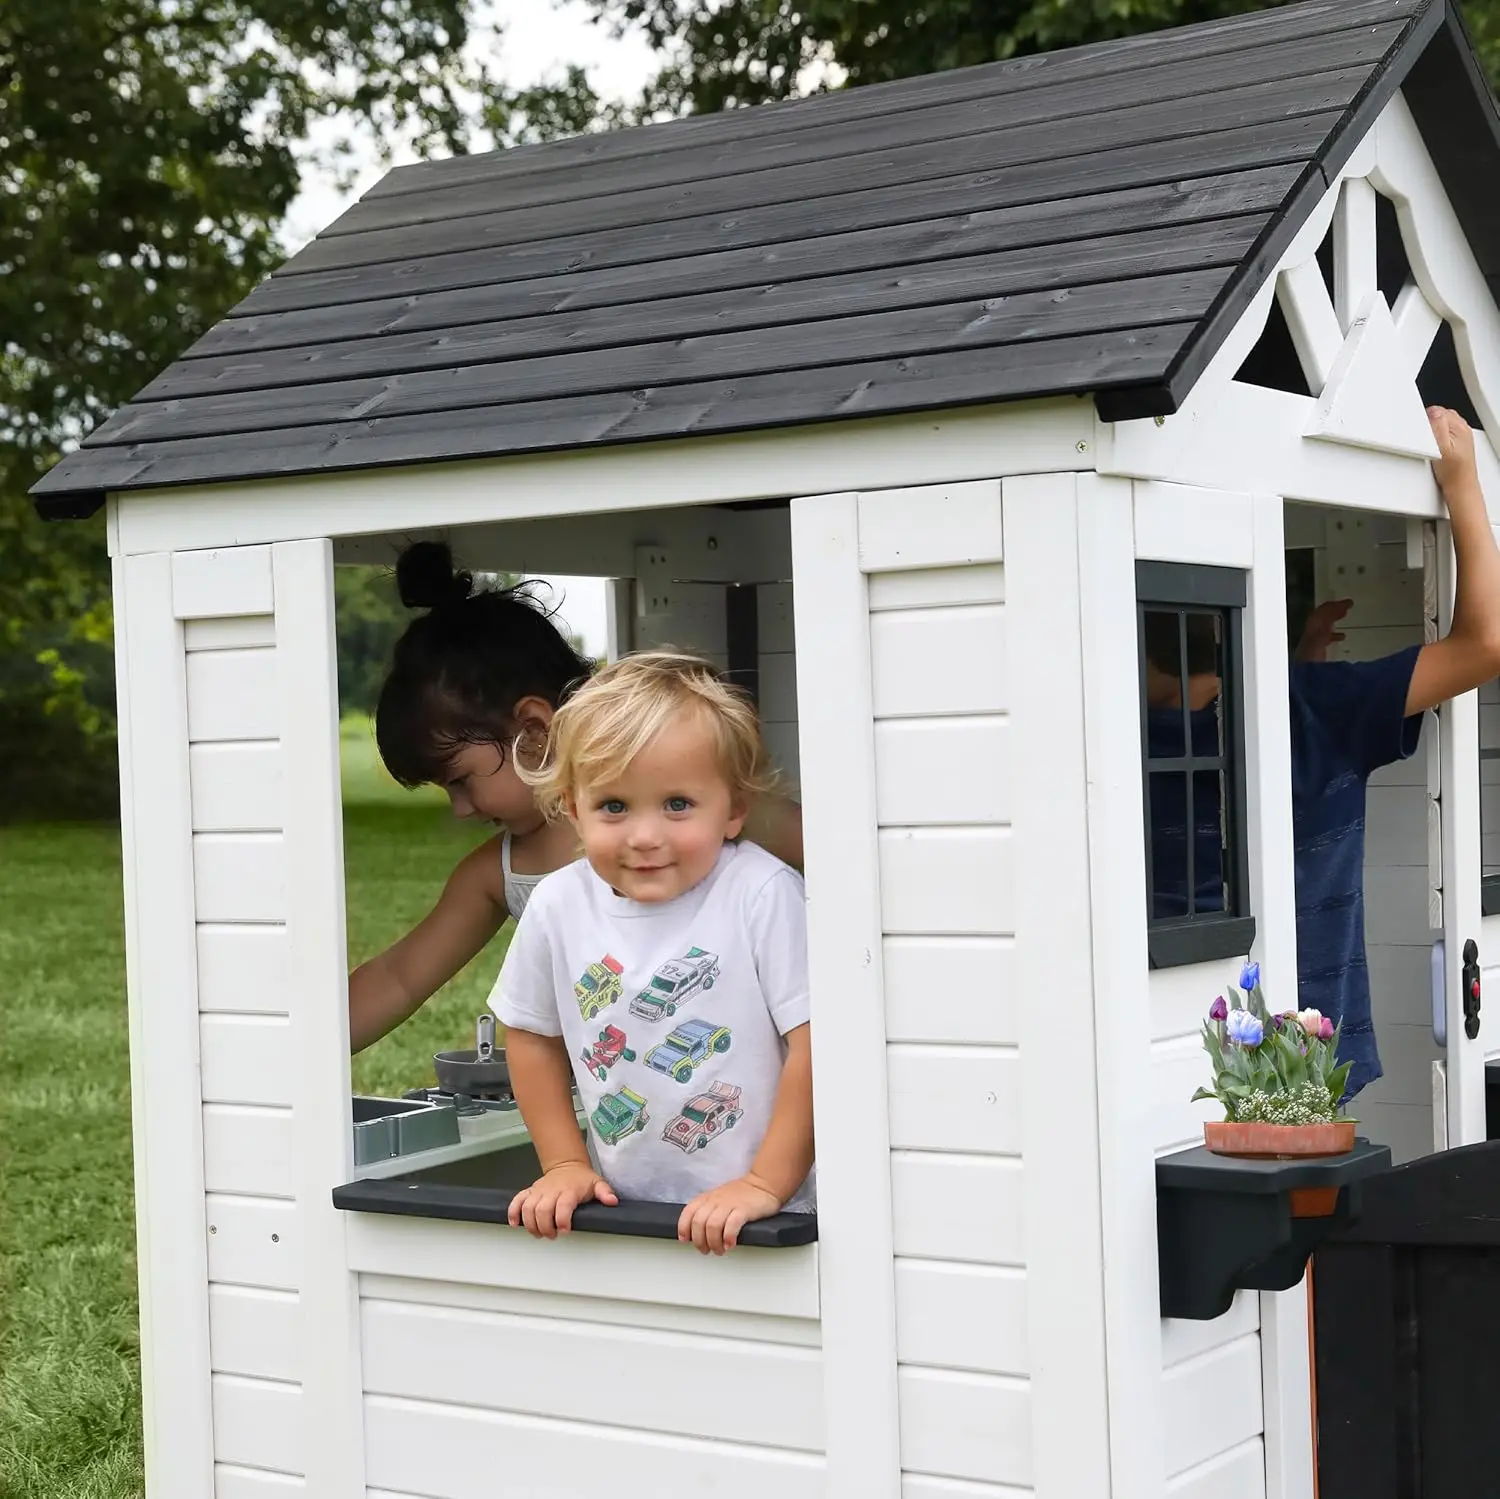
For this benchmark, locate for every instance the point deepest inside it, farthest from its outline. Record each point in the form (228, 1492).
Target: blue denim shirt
(1348, 720)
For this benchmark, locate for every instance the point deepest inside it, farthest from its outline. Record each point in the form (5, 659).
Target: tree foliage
(149, 150)
(726, 53)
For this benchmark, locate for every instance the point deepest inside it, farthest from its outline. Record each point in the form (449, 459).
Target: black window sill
(1489, 895)
(478, 1189)
(1202, 941)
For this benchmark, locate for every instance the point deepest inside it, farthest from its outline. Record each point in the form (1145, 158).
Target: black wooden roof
(1091, 222)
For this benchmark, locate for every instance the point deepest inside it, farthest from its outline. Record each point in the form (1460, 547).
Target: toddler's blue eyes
(678, 804)
(614, 808)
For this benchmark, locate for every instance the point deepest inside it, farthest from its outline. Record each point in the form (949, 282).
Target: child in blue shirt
(1348, 719)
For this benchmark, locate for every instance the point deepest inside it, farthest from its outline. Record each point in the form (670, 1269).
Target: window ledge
(479, 1189)
(1200, 941)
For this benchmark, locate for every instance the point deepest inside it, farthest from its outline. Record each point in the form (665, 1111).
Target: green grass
(69, 1357)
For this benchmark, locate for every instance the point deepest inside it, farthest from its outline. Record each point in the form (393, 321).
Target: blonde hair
(620, 710)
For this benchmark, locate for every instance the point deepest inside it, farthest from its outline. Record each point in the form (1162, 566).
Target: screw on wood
(1083, 447)
(276, 1238)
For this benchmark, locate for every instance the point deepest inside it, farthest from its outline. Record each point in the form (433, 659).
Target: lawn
(69, 1376)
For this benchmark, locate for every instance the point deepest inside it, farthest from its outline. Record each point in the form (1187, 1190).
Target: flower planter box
(1229, 1223)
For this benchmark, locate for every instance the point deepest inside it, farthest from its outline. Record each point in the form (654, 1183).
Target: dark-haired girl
(474, 683)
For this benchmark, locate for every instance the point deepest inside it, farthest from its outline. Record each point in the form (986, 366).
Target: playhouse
(910, 405)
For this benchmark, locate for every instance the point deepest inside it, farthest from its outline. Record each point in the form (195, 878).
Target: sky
(540, 37)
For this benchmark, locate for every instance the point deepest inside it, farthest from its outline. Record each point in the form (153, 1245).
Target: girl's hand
(712, 1221)
(1322, 630)
(545, 1208)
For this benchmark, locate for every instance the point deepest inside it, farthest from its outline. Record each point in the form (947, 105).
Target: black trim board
(478, 1189)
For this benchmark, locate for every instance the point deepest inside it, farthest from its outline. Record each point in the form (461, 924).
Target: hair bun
(426, 579)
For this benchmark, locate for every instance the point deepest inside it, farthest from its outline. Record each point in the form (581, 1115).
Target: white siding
(248, 1068)
(947, 870)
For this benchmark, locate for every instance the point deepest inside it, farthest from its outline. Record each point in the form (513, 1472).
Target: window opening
(1192, 745)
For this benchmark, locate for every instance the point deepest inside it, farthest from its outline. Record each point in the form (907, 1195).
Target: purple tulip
(1276, 1022)
(1325, 1031)
(1218, 1010)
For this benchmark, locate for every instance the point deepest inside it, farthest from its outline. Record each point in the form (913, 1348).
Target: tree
(148, 152)
(727, 53)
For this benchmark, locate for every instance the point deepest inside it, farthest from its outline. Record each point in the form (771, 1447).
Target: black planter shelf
(1225, 1223)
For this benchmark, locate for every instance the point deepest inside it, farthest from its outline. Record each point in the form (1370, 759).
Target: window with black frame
(1193, 756)
(1489, 797)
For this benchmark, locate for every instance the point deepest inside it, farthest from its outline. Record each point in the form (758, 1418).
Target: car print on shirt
(687, 1049)
(599, 986)
(704, 1116)
(618, 1115)
(675, 982)
(608, 1049)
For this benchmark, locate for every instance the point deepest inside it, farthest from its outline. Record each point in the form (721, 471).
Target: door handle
(1471, 991)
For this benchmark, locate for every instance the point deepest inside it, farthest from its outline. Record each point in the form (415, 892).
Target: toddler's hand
(712, 1221)
(1455, 440)
(545, 1208)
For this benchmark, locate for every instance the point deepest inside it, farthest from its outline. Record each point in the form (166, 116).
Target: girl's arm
(775, 823)
(394, 985)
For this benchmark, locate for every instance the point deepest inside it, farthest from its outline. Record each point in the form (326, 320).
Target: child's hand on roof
(545, 1208)
(711, 1223)
(1455, 470)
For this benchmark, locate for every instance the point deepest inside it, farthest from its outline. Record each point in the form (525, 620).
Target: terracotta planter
(1279, 1142)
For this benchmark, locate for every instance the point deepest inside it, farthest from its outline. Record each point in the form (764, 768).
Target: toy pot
(1279, 1142)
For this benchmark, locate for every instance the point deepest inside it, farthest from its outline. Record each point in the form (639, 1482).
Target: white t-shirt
(673, 1014)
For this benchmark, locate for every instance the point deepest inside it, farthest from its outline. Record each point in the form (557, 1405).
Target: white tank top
(518, 887)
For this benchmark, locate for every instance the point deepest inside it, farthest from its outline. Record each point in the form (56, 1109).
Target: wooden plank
(796, 1332)
(767, 1394)
(1184, 523)
(222, 584)
(231, 695)
(1108, 539)
(160, 991)
(1183, 45)
(925, 1486)
(833, 632)
(870, 389)
(247, 1059)
(1268, 86)
(249, 1150)
(237, 787)
(259, 1423)
(1237, 1474)
(984, 1223)
(1061, 1128)
(771, 1282)
(937, 588)
(229, 634)
(1183, 1340)
(450, 1452)
(307, 676)
(242, 968)
(955, 989)
(240, 877)
(1220, 178)
(947, 881)
(940, 661)
(1001, 271)
(1213, 1403)
(960, 526)
(234, 1482)
(963, 1317)
(962, 325)
(936, 772)
(253, 1241)
(962, 1098)
(256, 1333)
(976, 1426)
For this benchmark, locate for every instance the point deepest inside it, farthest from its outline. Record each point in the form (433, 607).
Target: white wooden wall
(235, 885)
(496, 1364)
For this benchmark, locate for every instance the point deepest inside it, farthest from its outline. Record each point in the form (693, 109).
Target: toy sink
(386, 1127)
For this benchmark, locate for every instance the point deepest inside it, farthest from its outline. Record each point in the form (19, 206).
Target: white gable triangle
(1370, 399)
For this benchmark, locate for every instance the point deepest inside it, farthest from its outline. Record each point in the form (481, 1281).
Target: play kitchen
(472, 1110)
